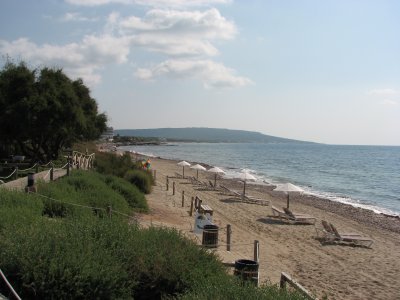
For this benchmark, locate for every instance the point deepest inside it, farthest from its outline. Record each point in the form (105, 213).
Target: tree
(42, 111)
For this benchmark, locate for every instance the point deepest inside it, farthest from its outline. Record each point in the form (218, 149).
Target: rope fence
(9, 285)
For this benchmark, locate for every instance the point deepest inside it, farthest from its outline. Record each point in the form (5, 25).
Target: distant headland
(202, 134)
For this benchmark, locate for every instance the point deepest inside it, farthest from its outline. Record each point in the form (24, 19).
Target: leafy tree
(42, 111)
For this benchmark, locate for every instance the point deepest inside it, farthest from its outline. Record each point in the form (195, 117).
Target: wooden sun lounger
(177, 175)
(255, 200)
(292, 217)
(331, 234)
(244, 198)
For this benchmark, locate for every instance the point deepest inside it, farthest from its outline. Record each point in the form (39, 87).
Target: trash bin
(247, 270)
(31, 179)
(210, 236)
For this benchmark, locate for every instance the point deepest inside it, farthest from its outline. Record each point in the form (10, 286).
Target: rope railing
(47, 174)
(12, 173)
(63, 167)
(81, 205)
(34, 166)
(9, 285)
(45, 165)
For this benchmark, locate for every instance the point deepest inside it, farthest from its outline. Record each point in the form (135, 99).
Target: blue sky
(323, 71)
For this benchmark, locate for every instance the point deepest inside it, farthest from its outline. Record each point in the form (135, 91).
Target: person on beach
(148, 165)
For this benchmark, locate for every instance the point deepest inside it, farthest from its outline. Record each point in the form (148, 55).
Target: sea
(362, 176)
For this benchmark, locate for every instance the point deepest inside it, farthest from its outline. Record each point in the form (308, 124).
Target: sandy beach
(335, 270)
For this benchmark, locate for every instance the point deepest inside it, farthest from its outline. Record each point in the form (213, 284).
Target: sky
(321, 71)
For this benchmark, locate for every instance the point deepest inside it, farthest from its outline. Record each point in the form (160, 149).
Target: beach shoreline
(364, 215)
(335, 270)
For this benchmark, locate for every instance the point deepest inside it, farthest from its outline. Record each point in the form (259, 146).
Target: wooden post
(286, 279)
(195, 202)
(199, 205)
(78, 165)
(256, 251)
(228, 237)
(173, 188)
(109, 211)
(282, 282)
(167, 183)
(191, 207)
(52, 173)
(287, 200)
(183, 198)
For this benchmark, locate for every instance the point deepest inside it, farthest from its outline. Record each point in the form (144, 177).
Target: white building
(108, 135)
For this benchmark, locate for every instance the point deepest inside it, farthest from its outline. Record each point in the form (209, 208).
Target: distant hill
(196, 134)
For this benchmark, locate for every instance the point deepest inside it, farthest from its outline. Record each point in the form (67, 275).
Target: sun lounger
(356, 239)
(331, 234)
(292, 217)
(243, 198)
(254, 200)
(177, 175)
(229, 191)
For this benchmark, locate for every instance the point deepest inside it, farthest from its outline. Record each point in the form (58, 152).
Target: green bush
(61, 260)
(142, 179)
(232, 289)
(82, 188)
(131, 193)
(83, 257)
(56, 209)
(110, 163)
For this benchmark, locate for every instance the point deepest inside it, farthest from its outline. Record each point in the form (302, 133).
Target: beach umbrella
(288, 188)
(183, 164)
(216, 171)
(197, 168)
(245, 176)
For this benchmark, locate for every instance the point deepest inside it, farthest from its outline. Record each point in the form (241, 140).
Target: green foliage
(131, 193)
(142, 179)
(42, 110)
(109, 163)
(75, 255)
(231, 288)
(87, 189)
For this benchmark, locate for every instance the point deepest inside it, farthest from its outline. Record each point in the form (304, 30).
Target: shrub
(142, 179)
(109, 163)
(55, 209)
(131, 193)
(61, 260)
(82, 188)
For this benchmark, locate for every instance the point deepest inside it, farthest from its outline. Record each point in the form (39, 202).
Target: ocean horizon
(362, 176)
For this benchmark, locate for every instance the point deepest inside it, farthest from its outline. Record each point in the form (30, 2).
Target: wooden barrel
(247, 270)
(210, 236)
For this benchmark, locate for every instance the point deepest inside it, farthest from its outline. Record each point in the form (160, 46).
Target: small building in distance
(108, 135)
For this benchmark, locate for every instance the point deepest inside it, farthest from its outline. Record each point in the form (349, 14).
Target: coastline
(377, 191)
(324, 269)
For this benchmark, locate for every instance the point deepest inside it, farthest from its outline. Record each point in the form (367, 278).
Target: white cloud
(97, 2)
(389, 102)
(178, 33)
(78, 60)
(208, 24)
(383, 92)
(151, 3)
(185, 36)
(76, 17)
(212, 74)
